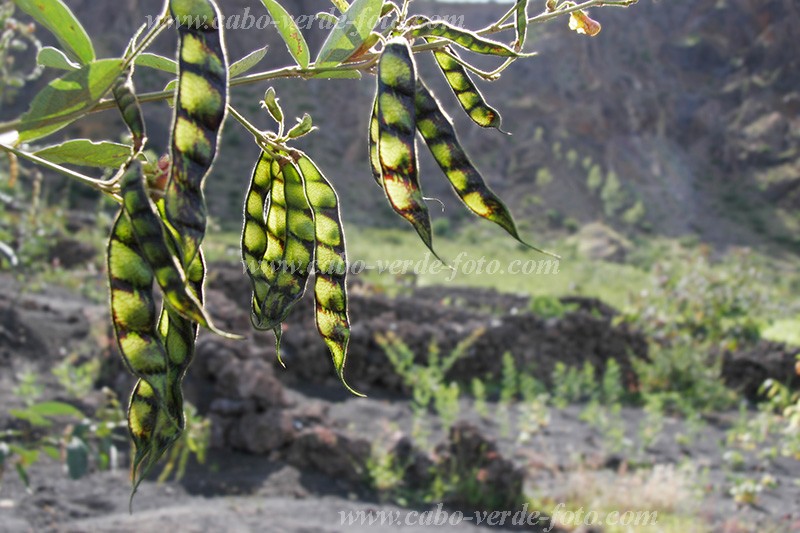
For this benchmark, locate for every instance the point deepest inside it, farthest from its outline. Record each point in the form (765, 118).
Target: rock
(262, 433)
(747, 369)
(598, 242)
(493, 481)
(331, 452)
(419, 471)
(70, 253)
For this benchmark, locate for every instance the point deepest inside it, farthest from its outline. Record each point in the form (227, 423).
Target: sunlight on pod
(149, 231)
(201, 103)
(134, 319)
(254, 232)
(440, 136)
(467, 93)
(290, 247)
(330, 266)
(374, 135)
(463, 38)
(397, 148)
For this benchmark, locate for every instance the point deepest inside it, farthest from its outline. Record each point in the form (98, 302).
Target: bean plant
(292, 226)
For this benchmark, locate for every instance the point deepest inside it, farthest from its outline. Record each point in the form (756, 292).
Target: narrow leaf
(351, 31)
(61, 22)
(84, 152)
(157, 62)
(55, 58)
(248, 62)
(290, 32)
(67, 98)
(521, 12)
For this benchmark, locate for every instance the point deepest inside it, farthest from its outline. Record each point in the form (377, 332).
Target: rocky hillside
(679, 118)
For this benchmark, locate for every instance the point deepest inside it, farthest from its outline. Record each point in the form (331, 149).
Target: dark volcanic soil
(291, 449)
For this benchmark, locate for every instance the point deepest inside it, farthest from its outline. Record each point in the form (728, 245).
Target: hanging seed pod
(330, 266)
(463, 38)
(397, 150)
(152, 237)
(254, 232)
(374, 135)
(201, 103)
(125, 97)
(290, 226)
(440, 135)
(467, 93)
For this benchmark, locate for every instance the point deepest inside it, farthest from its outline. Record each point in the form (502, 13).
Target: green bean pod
(439, 134)
(374, 136)
(155, 427)
(290, 248)
(397, 149)
(125, 96)
(133, 307)
(254, 232)
(134, 317)
(463, 38)
(200, 107)
(330, 264)
(152, 236)
(467, 93)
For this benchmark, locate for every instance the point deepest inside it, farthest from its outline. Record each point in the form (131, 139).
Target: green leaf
(57, 17)
(67, 98)
(157, 62)
(51, 452)
(354, 26)
(247, 62)
(290, 32)
(341, 5)
(86, 153)
(171, 86)
(55, 58)
(303, 127)
(51, 409)
(32, 418)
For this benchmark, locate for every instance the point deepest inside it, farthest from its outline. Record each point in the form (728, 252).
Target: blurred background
(654, 370)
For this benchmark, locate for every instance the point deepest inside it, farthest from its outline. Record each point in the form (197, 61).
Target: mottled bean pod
(467, 93)
(397, 150)
(330, 266)
(200, 107)
(440, 135)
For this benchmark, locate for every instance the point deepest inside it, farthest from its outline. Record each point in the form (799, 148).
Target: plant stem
(544, 17)
(105, 187)
(163, 22)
